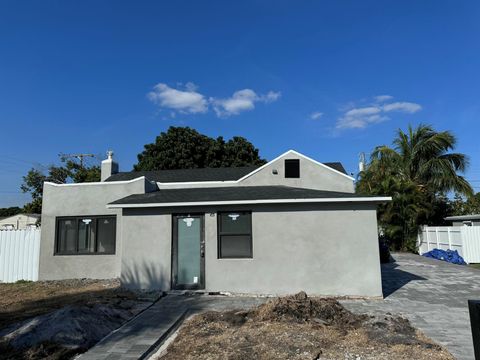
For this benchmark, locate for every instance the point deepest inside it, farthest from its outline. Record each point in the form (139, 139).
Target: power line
(11, 158)
(81, 157)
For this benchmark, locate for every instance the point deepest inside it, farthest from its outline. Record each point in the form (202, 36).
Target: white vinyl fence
(19, 255)
(464, 239)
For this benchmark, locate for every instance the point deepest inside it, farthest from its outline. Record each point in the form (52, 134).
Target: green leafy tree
(186, 148)
(238, 151)
(417, 172)
(10, 211)
(462, 205)
(69, 171)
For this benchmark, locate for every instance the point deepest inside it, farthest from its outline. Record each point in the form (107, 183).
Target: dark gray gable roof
(336, 166)
(194, 175)
(187, 175)
(231, 193)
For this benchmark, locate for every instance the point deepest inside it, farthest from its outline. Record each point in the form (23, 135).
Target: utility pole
(77, 156)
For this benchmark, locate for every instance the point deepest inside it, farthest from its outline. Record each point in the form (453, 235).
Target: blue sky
(327, 78)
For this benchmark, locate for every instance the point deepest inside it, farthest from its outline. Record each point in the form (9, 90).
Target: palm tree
(416, 172)
(421, 156)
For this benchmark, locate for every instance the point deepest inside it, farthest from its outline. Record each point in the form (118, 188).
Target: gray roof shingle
(336, 166)
(187, 175)
(231, 193)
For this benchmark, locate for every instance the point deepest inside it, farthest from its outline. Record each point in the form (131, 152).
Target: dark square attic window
(292, 168)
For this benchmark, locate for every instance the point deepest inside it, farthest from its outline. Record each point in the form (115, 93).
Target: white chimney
(361, 162)
(109, 167)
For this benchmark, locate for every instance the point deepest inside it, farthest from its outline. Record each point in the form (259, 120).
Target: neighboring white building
(464, 220)
(19, 222)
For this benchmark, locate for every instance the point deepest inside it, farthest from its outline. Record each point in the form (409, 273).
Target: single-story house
(464, 220)
(21, 221)
(292, 224)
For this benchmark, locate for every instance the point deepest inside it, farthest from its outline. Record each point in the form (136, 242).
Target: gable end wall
(312, 176)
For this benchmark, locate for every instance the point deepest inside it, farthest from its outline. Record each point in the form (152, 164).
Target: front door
(188, 262)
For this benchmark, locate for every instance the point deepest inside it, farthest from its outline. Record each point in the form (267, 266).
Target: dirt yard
(58, 319)
(299, 327)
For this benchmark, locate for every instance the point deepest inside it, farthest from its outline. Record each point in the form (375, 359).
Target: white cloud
(316, 115)
(187, 101)
(382, 98)
(406, 107)
(365, 111)
(241, 100)
(361, 117)
(271, 96)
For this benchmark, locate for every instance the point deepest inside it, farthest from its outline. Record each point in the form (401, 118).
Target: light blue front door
(188, 252)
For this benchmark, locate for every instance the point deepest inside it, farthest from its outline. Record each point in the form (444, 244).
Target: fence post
(428, 238)
(436, 237)
(474, 308)
(465, 244)
(449, 238)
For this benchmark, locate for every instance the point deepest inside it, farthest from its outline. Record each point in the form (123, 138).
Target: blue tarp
(450, 256)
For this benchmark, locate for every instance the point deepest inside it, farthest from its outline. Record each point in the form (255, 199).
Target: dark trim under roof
(233, 193)
(196, 175)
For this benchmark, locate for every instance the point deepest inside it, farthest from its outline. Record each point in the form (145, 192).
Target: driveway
(433, 295)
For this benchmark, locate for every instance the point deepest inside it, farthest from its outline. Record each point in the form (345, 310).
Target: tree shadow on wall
(144, 277)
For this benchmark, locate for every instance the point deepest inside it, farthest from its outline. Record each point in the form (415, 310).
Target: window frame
(291, 161)
(220, 234)
(77, 218)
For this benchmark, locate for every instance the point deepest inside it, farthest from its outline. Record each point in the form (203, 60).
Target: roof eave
(377, 200)
(463, 217)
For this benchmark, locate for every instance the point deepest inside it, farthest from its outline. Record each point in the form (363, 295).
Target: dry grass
(23, 300)
(300, 328)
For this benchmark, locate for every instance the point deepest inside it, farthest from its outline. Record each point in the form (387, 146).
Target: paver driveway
(433, 295)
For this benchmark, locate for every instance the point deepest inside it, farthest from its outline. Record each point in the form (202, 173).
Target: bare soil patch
(58, 319)
(298, 327)
(25, 299)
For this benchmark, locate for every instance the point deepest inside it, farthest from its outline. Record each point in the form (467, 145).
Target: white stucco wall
(81, 200)
(323, 249)
(146, 260)
(312, 176)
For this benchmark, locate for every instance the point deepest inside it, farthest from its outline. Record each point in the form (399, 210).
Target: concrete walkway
(138, 338)
(433, 295)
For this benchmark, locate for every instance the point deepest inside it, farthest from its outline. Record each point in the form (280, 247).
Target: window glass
(106, 235)
(235, 235)
(292, 168)
(86, 235)
(67, 236)
(235, 223)
(233, 246)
